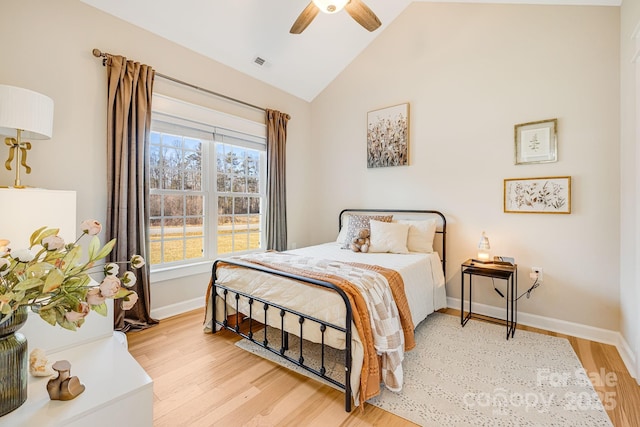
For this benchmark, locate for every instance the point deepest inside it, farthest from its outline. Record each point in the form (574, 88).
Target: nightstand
(509, 273)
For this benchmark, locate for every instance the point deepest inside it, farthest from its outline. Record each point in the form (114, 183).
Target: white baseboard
(578, 330)
(628, 357)
(175, 309)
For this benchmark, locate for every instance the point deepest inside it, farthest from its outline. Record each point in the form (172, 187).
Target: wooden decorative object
(64, 387)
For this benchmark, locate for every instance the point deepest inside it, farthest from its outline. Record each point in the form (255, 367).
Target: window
(176, 201)
(239, 199)
(207, 189)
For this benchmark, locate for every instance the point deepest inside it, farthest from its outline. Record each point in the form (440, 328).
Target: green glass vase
(13, 362)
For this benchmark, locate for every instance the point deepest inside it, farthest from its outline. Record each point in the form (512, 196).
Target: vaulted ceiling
(237, 32)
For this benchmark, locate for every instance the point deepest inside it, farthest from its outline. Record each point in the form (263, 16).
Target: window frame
(220, 128)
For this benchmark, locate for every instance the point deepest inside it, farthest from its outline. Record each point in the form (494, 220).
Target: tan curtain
(130, 87)
(276, 180)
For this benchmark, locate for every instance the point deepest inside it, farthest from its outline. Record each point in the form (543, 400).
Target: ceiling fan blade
(363, 15)
(304, 19)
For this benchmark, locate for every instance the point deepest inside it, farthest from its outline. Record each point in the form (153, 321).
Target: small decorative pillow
(421, 235)
(388, 237)
(357, 222)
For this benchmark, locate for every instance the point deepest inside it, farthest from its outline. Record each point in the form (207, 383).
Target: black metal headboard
(441, 229)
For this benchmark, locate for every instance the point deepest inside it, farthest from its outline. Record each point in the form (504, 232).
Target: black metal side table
(495, 271)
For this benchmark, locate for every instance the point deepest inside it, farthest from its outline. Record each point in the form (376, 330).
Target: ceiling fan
(356, 8)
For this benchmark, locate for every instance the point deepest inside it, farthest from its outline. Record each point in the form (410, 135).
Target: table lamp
(483, 248)
(23, 114)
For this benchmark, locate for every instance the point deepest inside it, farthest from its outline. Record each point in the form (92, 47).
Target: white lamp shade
(484, 242)
(24, 109)
(330, 6)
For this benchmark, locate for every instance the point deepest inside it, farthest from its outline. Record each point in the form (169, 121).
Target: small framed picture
(538, 195)
(388, 136)
(536, 142)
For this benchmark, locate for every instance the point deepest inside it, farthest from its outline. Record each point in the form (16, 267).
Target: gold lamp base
(18, 151)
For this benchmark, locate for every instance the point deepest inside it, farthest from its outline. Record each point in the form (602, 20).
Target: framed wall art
(538, 195)
(388, 136)
(536, 142)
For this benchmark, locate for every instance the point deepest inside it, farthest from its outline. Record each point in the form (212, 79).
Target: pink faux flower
(53, 243)
(91, 227)
(94, 297)
(110, 286)
(4, 247)
(74, 316)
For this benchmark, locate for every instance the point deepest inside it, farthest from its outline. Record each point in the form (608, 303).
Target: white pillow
(421, 234)
(342, 236)
(388, 237)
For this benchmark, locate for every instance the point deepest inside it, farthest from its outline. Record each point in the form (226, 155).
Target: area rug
(473, 376)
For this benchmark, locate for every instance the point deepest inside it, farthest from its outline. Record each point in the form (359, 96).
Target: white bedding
(424, 281)
(421, 273)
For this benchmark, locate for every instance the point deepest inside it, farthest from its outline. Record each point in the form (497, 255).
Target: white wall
(470, 73)
(46, 46)
(630, 179)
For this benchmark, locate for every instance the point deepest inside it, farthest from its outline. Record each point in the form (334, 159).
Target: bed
(365, 304)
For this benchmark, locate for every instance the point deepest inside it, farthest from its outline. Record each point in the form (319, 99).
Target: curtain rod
(99, 54)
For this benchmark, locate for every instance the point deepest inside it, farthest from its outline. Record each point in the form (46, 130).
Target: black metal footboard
(259, 313)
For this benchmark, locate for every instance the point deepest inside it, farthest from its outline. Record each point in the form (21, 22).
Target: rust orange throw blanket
(371, 370)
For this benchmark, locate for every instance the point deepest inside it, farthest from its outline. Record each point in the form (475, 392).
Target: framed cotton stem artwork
(388, 137)
(536, 142)
(538, 195)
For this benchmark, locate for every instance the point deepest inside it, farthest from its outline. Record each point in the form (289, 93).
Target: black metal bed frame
(233, 300)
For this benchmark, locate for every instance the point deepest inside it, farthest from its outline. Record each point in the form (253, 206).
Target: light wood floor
(205, 380)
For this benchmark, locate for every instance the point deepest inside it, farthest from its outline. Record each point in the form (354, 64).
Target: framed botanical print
(538, 195)
(536, 142)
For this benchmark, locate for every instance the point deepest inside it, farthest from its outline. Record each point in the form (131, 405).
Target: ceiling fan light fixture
(330, 6)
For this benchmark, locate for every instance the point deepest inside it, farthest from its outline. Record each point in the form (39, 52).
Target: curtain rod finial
(96, 53)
